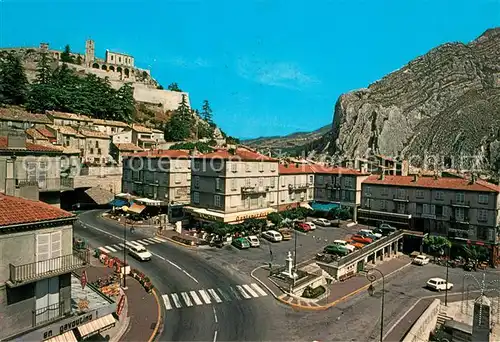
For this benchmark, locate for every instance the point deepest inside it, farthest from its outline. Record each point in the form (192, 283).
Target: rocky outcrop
(445, 102)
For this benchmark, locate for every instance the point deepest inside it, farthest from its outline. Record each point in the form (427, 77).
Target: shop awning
(369, 213)
(118, 202)
(97, 326)
(136, 208)
(324, 206)
(306, 205)
(68, 336)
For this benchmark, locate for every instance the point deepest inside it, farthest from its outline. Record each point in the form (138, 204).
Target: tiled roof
(20, 115)
(93, 134)
(29, 147)
(127, 147)
(35, 134)
(162, 154)
(16, 210)
(238, 154)
(46, 133)
(337, 170)
(63, 149)
(141, 129)
(156, 130)
(109, 123)
(69, 116)
(452, 183)
(66, 130)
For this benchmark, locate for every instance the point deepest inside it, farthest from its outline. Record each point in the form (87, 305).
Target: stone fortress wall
(119, 68)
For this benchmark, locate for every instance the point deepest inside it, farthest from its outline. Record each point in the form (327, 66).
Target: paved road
(178, 274)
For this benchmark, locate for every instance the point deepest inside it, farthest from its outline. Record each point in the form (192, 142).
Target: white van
(139, 252)
(272, 235)
(439, 284)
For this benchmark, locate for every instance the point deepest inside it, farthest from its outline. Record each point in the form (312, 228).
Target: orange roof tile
(46, 133)
(451, 183)
(93, 134)
(17, 210)
(69, 116)
(35, 134)
(141, 129)
(239, 154)
(109, 123)
(162, 154)
(29, 147)
(20, 115)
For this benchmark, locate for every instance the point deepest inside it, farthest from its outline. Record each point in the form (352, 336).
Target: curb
(173, 241)
(329, 305)
(123, 330)
(159, 321)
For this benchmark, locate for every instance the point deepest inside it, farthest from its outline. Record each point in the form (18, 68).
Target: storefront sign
(63, 327)
(257, 215)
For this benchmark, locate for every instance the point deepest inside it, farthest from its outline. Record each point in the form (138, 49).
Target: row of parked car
(253, 241)
(358, 240)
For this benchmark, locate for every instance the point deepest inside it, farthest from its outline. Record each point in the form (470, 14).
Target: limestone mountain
(445, 102)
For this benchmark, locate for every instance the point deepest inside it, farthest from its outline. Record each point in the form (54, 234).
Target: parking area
(308, 245)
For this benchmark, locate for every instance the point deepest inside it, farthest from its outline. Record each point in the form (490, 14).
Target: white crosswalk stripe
(177, 301)
(151, 240)
(139, 243)
(166, 301)
(259, 289)
(250, 290)
(104, 250)
(158, 239)
(215, 295)
(243, 293)
(144, 242)
(195, 298)
(121, 245)
(118, 247)
(110, 248)
(186, 298)
(205, 296)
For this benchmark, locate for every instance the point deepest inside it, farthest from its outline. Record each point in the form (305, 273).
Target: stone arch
(95, 66)
(127, 72)
(104, 67)
(111, 68)
(119, 69)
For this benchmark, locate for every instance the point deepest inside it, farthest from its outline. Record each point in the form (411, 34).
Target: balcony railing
(298, 186)
(47, 184)
(465, 204)
(27, 273)
(51, 312)
(254, 189)
(401, 198)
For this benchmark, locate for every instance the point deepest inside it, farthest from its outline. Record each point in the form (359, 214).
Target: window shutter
(42, 252)
(426, 209)
(433, 209)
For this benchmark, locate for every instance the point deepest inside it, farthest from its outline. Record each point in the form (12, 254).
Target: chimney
(415, 178)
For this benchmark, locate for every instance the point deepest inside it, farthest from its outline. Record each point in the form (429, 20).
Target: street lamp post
(446, 287)
(371, 277)
(125, 209)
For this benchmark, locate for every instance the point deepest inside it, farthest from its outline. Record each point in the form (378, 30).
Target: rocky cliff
(445, 102)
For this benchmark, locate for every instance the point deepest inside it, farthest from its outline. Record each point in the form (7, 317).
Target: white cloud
(281, 74)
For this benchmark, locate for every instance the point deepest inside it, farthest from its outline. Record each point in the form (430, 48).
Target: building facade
(465, 210)
(69, 119)
(109, 127)
(96, 147)
(163, 175)
(67, 136)
(295, 185)
(142, 136)
(231, 185)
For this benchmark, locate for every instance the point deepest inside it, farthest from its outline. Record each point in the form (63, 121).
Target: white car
(139, 252)
(312, 225)
(369, 231)
(439, 284)
(322, 222)
(272, 235)
(421, 260)
(253, 240)
(346, 244)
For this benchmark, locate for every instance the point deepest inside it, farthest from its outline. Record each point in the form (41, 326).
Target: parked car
(371, 232)
(361, 238)
(311, 224)
(358, 245)
(303, 227)
(336, 249)
(386, 229)
(241, 243)
(368, 235)
(286, 234)
(272, 235)
(322, 222)
(345, 244)
(253, 240)
(421, 260)
(439, 284)
(139, 252)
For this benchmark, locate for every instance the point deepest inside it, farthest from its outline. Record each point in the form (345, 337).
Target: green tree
(13, 81)
(199, 146)
(79, 60)
(66, 56)
(174, 87)
(437, 244)
(43, 70)
(479, 253)
(207, 113)
(275, 218)
(125, 100)
(160, 87)
(180, 125)
(232, 140)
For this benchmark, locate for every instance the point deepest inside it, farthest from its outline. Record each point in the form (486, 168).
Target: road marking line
(196, 299)
(135, 244)
(121, 245)
(151, 240)
(243, 293)
(176, 299)
(159, 240)
(235, 293)
(215, 295)
(251, 291)
(117, 247)
(259, 289)
(104, 249)
(110, 248)
(215, 336)
(215, 314)
(186, 299)
(176, 266)
(141, 243)
(146, 241)
(166, 301)
(225, 295)
(205, 296)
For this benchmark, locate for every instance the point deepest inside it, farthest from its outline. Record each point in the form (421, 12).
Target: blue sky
(267, 67)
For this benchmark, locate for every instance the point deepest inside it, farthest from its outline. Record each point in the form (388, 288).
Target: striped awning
(68, 336)
(97, 325)
(136, 208)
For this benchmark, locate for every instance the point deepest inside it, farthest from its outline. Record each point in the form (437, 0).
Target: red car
(360, 238)
(303, 227)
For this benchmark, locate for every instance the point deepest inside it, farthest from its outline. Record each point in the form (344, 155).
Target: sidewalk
(337, 292)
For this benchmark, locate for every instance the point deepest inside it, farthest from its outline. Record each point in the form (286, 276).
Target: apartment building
(20, 119)
(118, 150)
(378, 164)
(97, 146)
(158, 136)
(35, 137)
(295, 185)
(40, 298)
(123, 137)
(142, 136)
(109, 127)
(460, 208)
(69, 119)
(163, 175)
(231, 185)
(67, 136)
